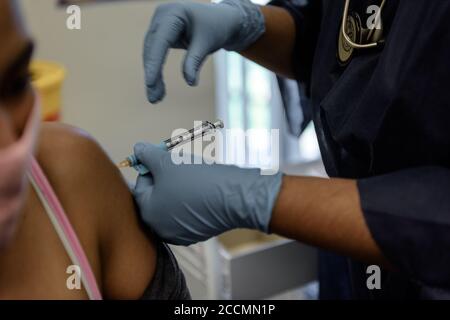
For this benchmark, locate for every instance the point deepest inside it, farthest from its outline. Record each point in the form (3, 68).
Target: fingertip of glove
(154, 96)
(139, 148)
(190, 79)
(190, 73)
(155, 92)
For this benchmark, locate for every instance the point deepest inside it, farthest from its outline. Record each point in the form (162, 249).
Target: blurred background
(103, 93)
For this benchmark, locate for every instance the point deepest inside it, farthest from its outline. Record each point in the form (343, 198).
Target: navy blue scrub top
(384, 119)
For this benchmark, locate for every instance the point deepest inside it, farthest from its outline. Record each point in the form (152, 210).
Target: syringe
(205, 128)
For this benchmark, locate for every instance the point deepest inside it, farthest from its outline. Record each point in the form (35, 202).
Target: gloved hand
(188, 203)
(200, 28)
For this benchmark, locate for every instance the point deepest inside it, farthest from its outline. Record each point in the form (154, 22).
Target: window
(248, 98)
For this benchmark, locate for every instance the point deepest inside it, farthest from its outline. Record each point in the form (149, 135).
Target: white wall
(104, 90)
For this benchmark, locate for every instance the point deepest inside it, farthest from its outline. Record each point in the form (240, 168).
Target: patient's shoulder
(96, 196)
(81, 171)
(69, 152)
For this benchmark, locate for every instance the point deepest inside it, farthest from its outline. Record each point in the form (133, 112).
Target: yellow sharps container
(48, 78)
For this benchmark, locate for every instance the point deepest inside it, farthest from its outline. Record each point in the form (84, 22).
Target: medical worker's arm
(188, 203)
(402, 217)
(325, 213)
(274, 49)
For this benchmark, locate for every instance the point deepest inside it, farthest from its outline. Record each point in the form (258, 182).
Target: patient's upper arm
(100, 205)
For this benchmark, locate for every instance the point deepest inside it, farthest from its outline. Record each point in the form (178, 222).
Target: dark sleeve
(408, 214)
(307, 17)
(168, 281)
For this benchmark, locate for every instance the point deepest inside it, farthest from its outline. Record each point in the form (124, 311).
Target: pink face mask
(14, 163)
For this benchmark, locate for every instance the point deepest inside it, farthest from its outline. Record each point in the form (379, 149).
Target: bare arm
(325, 213)
(101, 208)
(275, 47)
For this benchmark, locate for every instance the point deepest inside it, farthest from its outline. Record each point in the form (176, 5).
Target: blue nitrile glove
(188, 203)
(201, 29)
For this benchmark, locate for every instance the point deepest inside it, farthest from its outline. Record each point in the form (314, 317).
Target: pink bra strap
(64, 229)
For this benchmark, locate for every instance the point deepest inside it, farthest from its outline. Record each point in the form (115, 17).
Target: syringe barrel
(205, 128)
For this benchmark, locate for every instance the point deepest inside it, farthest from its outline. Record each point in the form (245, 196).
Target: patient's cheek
(21, 112)
(14, 116)
(7, 135)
